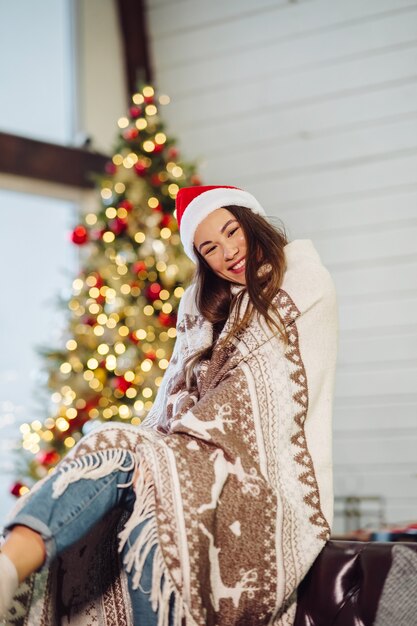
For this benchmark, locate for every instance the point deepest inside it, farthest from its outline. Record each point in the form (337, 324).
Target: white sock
(9, 583)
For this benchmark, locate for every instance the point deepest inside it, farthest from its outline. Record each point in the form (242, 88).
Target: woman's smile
(239, 267)
(220, 239)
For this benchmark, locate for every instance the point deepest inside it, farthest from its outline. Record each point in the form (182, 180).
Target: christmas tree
(121, 314)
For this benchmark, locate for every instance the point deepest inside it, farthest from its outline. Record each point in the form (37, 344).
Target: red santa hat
(193, 204)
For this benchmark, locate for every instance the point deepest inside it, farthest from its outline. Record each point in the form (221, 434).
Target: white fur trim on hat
(203, 204)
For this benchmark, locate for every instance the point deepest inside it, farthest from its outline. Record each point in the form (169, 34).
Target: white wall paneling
(312, 106)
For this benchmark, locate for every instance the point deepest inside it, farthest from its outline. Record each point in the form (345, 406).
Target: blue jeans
(63, 521)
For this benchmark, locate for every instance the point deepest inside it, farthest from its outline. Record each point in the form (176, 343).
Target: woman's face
(221, 241)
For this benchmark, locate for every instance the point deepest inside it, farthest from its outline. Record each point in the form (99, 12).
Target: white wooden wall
(312, 106)
(99, 72)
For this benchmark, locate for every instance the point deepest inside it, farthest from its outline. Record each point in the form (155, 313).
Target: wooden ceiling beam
(55, 163)
(40, 160)
(132, 19)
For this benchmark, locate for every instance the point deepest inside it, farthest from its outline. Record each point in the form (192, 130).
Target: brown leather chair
(344, 585)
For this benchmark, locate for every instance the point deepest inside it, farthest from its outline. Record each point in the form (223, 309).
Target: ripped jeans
(63, 521)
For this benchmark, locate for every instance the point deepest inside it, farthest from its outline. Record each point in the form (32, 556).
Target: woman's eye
(231, 233)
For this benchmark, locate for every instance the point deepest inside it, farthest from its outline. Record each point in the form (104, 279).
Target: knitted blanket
(233, 479)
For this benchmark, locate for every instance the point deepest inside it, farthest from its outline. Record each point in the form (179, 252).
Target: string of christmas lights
(123, 303)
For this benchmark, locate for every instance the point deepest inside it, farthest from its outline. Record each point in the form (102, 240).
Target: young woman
(227, 484)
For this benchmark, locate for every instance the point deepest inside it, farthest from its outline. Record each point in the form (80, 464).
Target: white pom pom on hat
(193, 204)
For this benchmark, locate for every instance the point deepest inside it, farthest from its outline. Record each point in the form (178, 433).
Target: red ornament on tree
(89, 321)
(140, 168)
(99, 279)
(150, 354)
(173, 152)
(166, 220)
(165, 319)
(47, 458)
(130, 134)
(77, 423)
(121, 383)
(148, 99)
(158, 147)
(134, 338)
(118, 225)
(15, 489)
(110, 168)
(79, 235)
(135, 111)
(152, 292)
(126, 204)
(155, 180)
(139, 266)
(82, 418)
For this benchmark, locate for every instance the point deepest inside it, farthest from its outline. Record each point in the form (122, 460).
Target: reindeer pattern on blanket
(245, 441)
(234, 477)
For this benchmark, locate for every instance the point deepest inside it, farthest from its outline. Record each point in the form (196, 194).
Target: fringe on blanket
(162, 584)
(92, 465)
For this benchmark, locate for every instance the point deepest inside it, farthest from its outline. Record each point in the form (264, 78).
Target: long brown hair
(264, 245)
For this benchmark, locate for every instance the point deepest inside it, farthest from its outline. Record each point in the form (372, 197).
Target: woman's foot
(25, 549)
(9, 582)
